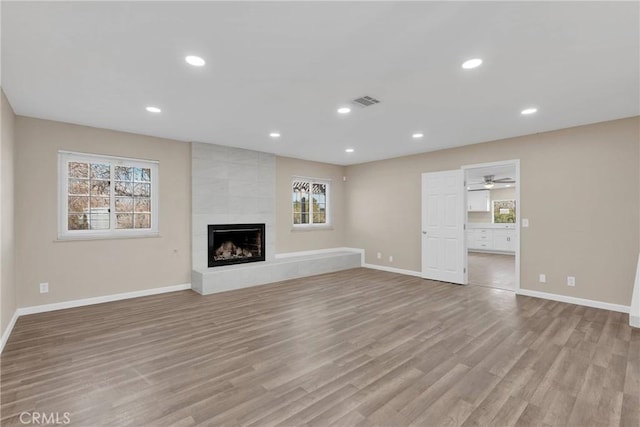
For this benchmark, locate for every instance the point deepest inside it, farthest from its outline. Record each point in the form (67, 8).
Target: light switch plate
(525, 222)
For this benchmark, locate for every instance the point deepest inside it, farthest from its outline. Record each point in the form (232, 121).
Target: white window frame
(328, 209)
(64, 158)
(493, 216)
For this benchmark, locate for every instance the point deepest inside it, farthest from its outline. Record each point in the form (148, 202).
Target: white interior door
(443, 247)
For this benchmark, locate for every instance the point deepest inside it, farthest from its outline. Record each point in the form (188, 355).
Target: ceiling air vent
(365, 101)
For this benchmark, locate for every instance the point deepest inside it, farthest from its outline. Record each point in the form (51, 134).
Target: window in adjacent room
(103, 196)
(310, 198)
(504, 211)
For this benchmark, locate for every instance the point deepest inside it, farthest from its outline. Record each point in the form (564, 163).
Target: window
(102, 196)
(504, 211)
(310, 198)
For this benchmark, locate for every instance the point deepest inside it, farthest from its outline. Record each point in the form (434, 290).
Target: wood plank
(352, 348)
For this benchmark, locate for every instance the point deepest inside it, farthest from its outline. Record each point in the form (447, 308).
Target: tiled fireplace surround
(236, 186)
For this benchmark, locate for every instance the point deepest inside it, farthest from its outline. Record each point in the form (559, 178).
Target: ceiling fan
(490, 181)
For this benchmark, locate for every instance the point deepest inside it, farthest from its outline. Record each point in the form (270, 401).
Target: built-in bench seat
(283, 267)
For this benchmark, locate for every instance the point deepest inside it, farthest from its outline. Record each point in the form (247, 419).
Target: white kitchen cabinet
(504, 240)
(491, 239)
(479, 201)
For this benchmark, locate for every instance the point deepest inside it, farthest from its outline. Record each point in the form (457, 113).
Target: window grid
(107, 195)
(310, 202)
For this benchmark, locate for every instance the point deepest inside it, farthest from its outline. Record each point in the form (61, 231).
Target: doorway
(492, 233)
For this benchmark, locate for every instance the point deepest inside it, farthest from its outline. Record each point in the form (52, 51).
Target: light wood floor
(354, 348)
(493, 270)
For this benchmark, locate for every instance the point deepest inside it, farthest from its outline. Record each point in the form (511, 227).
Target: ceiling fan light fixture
(489, 185)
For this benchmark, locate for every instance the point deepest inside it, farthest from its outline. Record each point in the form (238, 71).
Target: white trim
(393, 270)
(574, 300)
(490, 164)
(7, 332)
(311, 178)
(634, 309)
(102, 299)
(493, 212)
(516, 163)
(328, 204)
(106, 156)
(65, 157)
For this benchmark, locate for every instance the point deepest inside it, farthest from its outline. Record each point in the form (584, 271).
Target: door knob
(424, 232)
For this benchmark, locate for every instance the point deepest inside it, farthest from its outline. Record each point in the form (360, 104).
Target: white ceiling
(475, 177)
(287, 66)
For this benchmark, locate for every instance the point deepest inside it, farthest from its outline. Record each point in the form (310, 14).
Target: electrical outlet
(379, 255)
(390, 258)
(543, 278)
(571, 281)
(44, 288)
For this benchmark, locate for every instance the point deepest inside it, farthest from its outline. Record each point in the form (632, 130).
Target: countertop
(474, 225)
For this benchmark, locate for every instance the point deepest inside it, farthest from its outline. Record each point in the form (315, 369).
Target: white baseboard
(99, 300)
(573, 300)
(393, 270)
(86, 301)
(8, 330)
(634, 309)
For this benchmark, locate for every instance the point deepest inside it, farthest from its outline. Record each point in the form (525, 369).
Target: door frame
(513, 162)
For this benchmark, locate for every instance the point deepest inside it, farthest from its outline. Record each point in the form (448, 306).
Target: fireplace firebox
(235, 244)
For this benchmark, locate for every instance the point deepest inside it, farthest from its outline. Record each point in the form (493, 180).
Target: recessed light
(274, 135)
(528, 111)
(153, 109)
(417, 135)
(472, 63)
(349, 150)
(196, 61)
(344, 110)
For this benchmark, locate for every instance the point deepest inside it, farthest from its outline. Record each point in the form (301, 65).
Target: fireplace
(235, 244)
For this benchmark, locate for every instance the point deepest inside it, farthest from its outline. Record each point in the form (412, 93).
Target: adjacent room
(490, 228)
(383, 213)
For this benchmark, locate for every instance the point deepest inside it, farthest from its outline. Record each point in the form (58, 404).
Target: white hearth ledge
(285, 266)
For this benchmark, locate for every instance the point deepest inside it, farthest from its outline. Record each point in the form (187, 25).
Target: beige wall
(496, 194)
(7, 235)
(579, 190)
(288, 240)
(83, 269)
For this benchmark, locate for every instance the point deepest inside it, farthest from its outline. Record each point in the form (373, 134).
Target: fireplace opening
(235, 244)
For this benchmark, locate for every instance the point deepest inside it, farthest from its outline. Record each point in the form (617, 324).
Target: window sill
(63, 239)
(313, 228)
